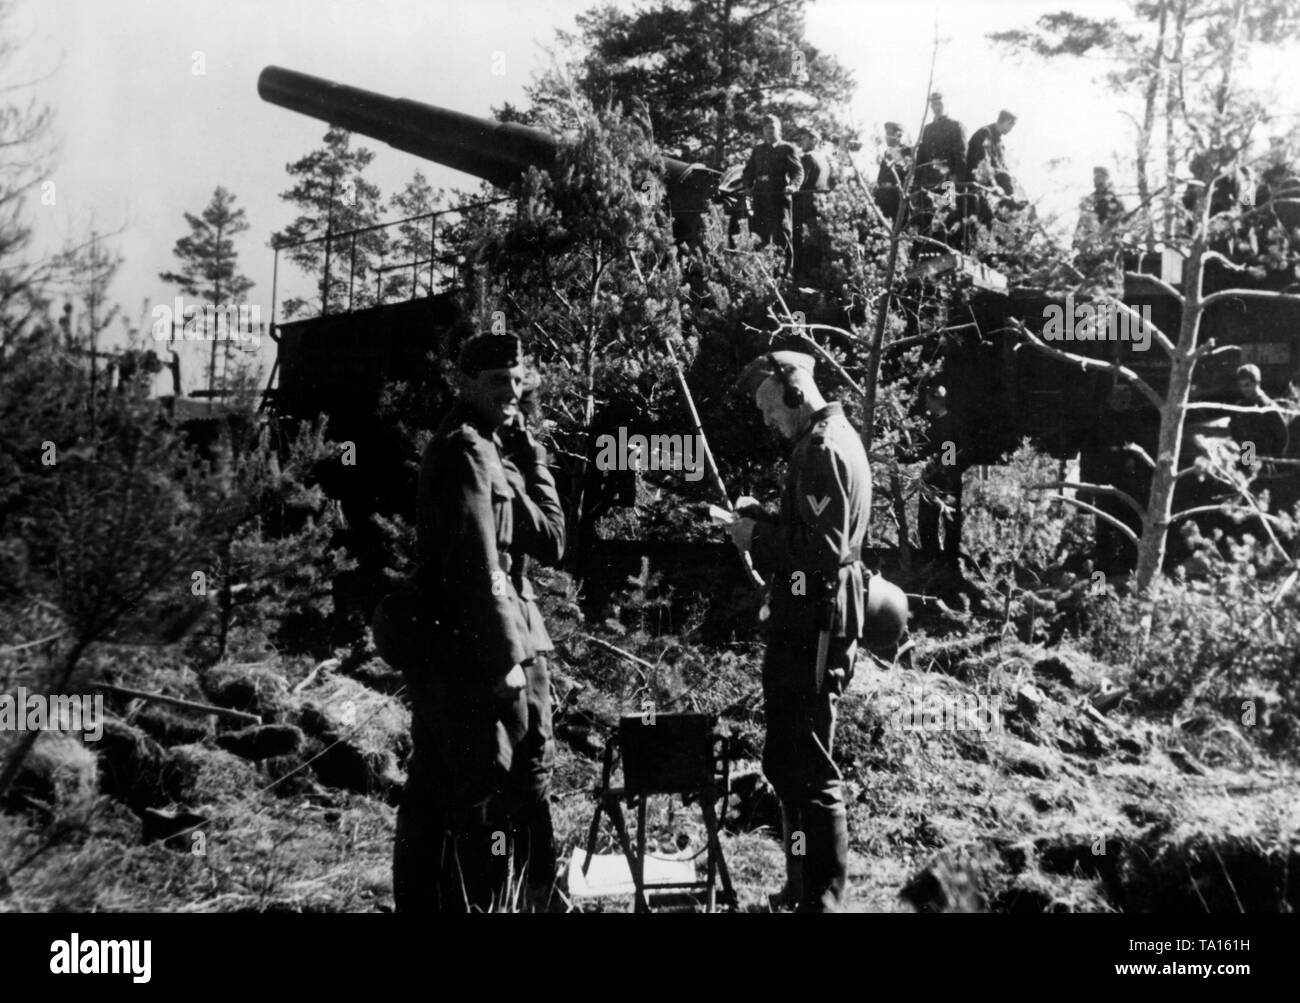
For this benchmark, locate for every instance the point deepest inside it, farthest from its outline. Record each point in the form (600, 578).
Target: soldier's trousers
(477, 798)
(805, 212)
(798, 757)
(772, 223)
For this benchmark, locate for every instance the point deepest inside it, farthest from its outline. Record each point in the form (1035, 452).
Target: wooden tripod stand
(665, 754)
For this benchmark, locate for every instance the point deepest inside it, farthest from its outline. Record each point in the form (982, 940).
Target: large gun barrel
(497, 152)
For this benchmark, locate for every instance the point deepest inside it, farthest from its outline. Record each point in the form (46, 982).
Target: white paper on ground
(609, 874)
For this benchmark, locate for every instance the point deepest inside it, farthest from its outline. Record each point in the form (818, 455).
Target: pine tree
(560, 273)
(334, 197)
(270, 557)
(24, 172)
(707, 70)
(414, 241)
(84, 272)
(210, 267)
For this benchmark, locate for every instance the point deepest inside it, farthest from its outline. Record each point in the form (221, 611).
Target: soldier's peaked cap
(769, 365)
(490, 351)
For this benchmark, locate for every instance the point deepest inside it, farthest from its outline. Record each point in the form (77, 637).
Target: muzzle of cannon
(497, 152)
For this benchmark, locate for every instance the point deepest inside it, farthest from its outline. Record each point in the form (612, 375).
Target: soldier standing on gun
(895, 161)
(774, 172)
(1262, 435)
(478, 788)
(811, 554)
(1100, 213)
(940, 173)
(818, 177)
(988, 182)
(941, 153)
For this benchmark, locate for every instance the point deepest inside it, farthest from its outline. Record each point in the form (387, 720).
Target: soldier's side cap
(766, 366)
(893, 129)
(1249, 369)
(489, 351)
(936, 95)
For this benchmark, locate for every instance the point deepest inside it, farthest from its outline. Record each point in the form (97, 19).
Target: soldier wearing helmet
(810, 552)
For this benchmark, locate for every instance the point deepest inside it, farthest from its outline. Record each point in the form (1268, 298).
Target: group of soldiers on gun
(953, 183)
(473, 648)
(780, 183)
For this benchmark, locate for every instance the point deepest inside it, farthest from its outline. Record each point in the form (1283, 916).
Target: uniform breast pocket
(502, 498)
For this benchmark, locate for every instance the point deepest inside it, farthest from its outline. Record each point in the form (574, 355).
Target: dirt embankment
(986, 776)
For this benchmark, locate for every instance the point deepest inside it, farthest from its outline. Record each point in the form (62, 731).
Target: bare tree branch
(1161, 338)
(1099, 489)
(1164, 286)
(1210, 349)
(1107, 517)
(1140, 453)
(1255, 294)
(1083, 361)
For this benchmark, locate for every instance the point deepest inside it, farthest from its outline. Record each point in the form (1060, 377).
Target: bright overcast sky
(142, 139)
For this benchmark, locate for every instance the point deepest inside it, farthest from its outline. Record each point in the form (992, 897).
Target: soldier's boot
(534, 840)
(793, 840)
(826, 867)
(423, 844)
(417, 855)
(478, 865)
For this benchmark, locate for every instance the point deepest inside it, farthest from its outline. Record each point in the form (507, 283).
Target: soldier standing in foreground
(811, 554)
(478, 789)
(774, 171)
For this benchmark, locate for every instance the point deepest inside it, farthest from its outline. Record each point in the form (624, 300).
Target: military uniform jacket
(1098, 213)
(825, 508)
(1267, 430)
(894, 164)
(985, 146)
(944, 440)
(478, 513)
(773, 170)
(943, 141)
(818, 175)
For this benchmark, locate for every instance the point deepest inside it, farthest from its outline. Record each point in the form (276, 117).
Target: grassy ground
(989, 774)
